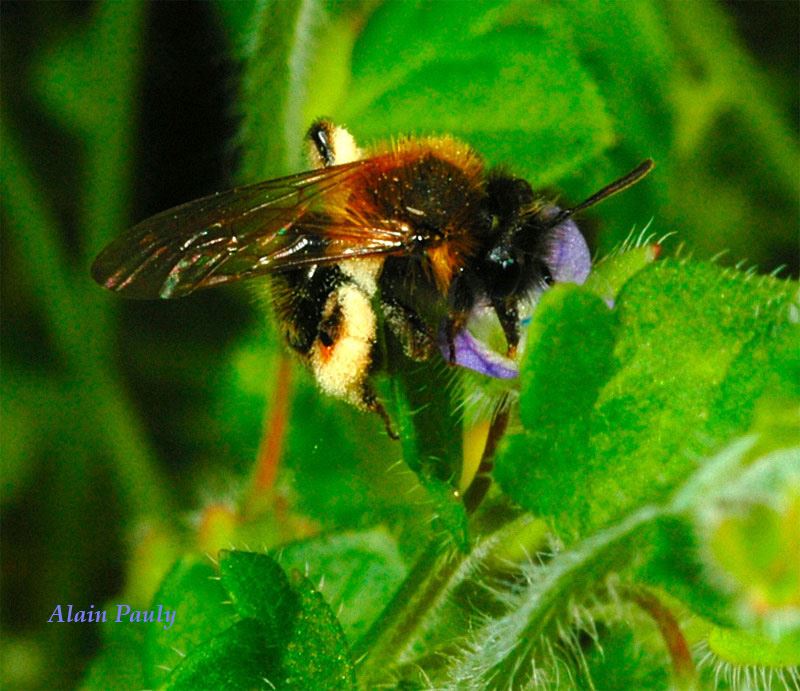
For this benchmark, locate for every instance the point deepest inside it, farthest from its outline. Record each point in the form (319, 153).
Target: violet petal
(472, 354)
(568, 256)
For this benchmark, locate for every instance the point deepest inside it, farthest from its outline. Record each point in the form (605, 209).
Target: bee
(415, 237)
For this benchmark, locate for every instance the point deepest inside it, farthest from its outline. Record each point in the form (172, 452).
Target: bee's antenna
(609, 190)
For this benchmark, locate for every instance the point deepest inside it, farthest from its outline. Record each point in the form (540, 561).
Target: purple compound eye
(568, 256)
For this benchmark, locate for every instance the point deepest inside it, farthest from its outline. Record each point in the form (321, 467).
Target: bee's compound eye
(568, 258)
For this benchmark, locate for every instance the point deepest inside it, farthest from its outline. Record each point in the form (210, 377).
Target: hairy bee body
(418, 229)
(434, 188)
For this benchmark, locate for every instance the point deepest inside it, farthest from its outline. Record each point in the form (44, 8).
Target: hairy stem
(396, 638)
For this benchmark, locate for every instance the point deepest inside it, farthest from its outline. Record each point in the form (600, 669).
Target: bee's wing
(248, 231)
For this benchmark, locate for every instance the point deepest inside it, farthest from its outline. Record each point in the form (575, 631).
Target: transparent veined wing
(247, 231)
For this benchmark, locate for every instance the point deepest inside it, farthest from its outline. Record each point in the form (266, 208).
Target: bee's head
(528, 245)
(531, 246)
(532, 243)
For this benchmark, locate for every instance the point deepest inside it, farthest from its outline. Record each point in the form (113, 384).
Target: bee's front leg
(508, 316)
(456, 321)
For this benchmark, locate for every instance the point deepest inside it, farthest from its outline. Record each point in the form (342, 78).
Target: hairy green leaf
(192, 590)
(268, 627)
(237, 658)
(678, 333)
(295, 622)
(568, 360)
(357, 573)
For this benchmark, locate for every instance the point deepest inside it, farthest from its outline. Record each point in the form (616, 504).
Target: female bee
(419, 229)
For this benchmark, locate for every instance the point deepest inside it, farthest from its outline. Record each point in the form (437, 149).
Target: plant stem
(272, 442)
(387, 641)
(392, 641)
(683, 666)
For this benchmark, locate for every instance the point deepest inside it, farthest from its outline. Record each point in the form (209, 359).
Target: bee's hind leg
(372, 403)
(415, 338)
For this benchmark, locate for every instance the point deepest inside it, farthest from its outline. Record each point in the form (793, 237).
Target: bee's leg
(415, 337)
(509, 320)
(462, 299)
(329, 322)
(330, 145)
(344, 349)
(456, 321)
(372, 403)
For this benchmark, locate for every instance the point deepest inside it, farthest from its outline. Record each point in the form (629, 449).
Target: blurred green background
(127, 427)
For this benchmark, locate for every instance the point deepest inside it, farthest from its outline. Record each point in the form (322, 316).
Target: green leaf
(412, 63)
(294, 620)
(568, 360)
(756, 546)
(425, 404)
(193, 591)
(316, 654)
(680, 329)
(749, 524)
(273, 87)
(259, 589)
(119, 664)
(357, 573)
(764, 376)
(614, 271)
(298, 61)
(265, 628)
(745, 648)
(573, 329)
(237, 658)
